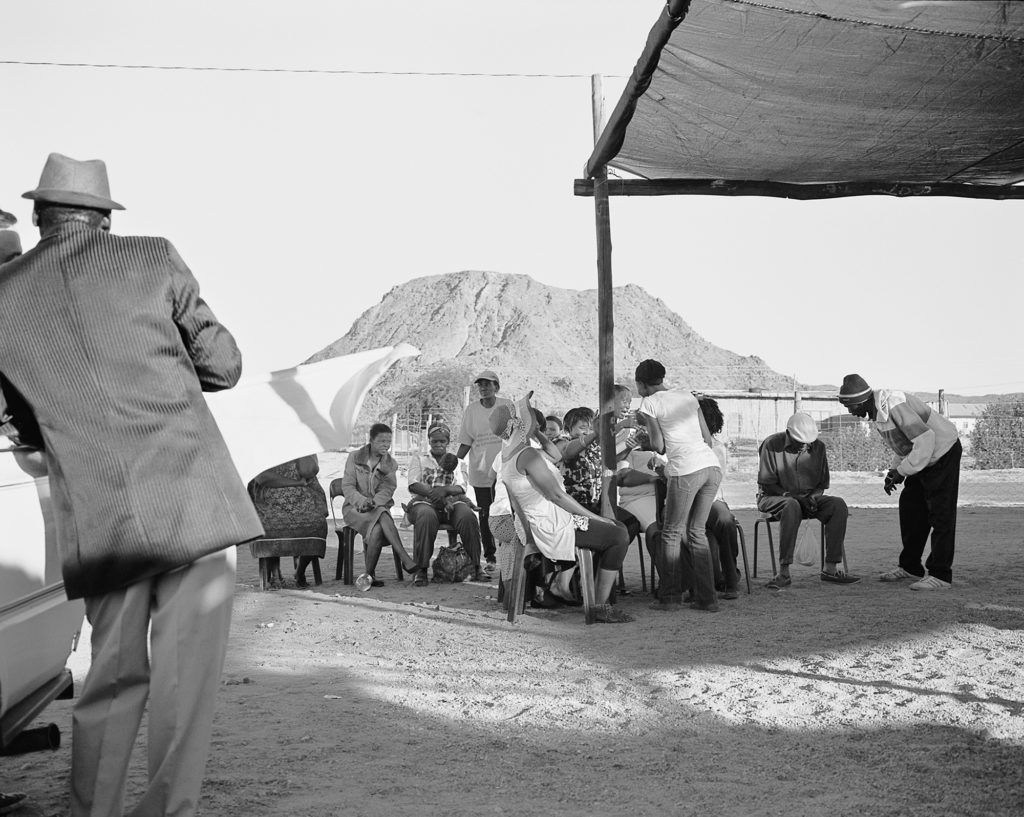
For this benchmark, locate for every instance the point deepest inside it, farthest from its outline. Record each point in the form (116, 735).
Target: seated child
(449, 462)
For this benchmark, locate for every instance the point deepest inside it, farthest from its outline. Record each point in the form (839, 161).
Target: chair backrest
(335, 491)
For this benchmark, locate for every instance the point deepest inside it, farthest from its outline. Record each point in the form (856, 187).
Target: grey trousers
(163, 639)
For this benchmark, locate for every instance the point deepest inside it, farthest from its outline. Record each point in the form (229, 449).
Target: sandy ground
(861, 700)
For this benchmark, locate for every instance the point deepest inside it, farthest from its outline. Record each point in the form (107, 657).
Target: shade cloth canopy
(814, 92)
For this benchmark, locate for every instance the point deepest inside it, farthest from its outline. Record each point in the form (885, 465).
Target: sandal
(421, 578)
(606, 614)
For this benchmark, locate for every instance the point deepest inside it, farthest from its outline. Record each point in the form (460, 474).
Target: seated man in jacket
(792, 476)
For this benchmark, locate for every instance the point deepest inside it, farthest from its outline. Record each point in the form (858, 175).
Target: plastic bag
(806, 551)
(452, 564)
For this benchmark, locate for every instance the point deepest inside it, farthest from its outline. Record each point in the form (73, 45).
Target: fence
(992, 470)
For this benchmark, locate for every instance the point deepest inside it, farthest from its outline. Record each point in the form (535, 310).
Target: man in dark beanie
(927, 453)
(105, 350)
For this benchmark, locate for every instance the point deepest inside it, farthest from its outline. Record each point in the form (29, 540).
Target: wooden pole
(605, 315)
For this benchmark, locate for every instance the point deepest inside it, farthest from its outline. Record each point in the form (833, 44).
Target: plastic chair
(517, 593)
(637, 535)
(767, 519)
(346, 544)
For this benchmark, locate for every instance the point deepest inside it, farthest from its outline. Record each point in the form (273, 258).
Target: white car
(39, 627)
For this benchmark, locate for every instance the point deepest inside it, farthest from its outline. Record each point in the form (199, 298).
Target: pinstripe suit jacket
(105, 349)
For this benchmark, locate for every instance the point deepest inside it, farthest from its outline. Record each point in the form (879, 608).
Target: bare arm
(654, 433)
(532, 465)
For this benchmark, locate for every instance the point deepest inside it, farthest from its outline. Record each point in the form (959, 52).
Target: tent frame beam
(803, 192)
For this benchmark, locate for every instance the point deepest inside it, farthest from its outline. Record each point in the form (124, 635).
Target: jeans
(687, 505)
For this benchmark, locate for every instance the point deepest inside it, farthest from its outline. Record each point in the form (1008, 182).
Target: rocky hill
(535, 337)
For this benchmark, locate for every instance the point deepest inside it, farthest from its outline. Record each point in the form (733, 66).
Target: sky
(300, 194)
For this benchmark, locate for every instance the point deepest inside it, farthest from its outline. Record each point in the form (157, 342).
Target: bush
(998, 439)
(854, 447)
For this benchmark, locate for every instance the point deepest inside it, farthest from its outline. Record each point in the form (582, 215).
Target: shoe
(545, 600)
(9, 802)
(490, 566)
(420, 579)
(779, 582)
(376, 582)
(606, 614)
(931, 583)
(897, 575)
(730, 594)
(481, 576)
(707, 608)
(300, 580)
(839, 577)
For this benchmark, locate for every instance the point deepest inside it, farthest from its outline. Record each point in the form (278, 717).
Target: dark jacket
(789, 469)
(106, 348)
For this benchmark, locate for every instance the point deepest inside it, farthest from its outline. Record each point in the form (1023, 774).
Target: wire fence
(992, 469)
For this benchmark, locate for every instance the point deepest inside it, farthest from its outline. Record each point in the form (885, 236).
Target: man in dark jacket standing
(105, 350)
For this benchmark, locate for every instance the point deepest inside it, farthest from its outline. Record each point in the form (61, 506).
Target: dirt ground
(862, 700)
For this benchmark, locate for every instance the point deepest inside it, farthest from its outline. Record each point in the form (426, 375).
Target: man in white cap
(482, 445)
(927, 451)
(792, 477)
(105, 350)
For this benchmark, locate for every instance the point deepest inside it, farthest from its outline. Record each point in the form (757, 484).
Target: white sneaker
(897, 575)
(931, 583)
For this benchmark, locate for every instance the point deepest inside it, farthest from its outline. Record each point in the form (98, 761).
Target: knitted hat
(802, 428)
(854, 391)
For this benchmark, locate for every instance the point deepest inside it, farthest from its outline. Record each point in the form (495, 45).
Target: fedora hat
(74, 183)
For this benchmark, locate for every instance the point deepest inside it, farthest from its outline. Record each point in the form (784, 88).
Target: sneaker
(779, 582)
(839, 577)
(490, 566)
(897, 575)
(931, 583)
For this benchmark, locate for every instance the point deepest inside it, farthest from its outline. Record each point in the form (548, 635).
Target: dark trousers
(832, 511)
(928, 506)
(724, 544)
(484, 498)
(608, 538)
(425, 522)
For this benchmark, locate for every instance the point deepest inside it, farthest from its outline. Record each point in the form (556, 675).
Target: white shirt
(676, 412)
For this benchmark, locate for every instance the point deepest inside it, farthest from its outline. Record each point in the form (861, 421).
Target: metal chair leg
(743, 551)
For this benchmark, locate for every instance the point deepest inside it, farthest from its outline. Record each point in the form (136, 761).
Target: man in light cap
(105, 349)
(927, 450)
(482, 445)
(792, 476)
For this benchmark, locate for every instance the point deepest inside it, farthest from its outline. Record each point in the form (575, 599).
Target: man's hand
(892, 479)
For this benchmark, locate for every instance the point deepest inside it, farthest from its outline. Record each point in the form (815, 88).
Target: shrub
(998, 439)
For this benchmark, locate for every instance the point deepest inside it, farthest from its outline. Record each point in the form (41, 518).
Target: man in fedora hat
(105, 349)
(792, 477)
(927, 453)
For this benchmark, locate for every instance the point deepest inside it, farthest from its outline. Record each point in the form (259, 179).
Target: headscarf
(439, 428)
(515, 424)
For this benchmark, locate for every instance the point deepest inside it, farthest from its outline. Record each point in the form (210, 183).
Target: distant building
(964, 416)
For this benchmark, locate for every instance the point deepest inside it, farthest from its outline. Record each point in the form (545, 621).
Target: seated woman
(559, 524)
(433, 490)
(721, 526)
(291, 505)
(638, 481)
(368, 484)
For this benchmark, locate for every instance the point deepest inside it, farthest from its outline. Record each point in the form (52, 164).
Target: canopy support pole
(605, 314)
